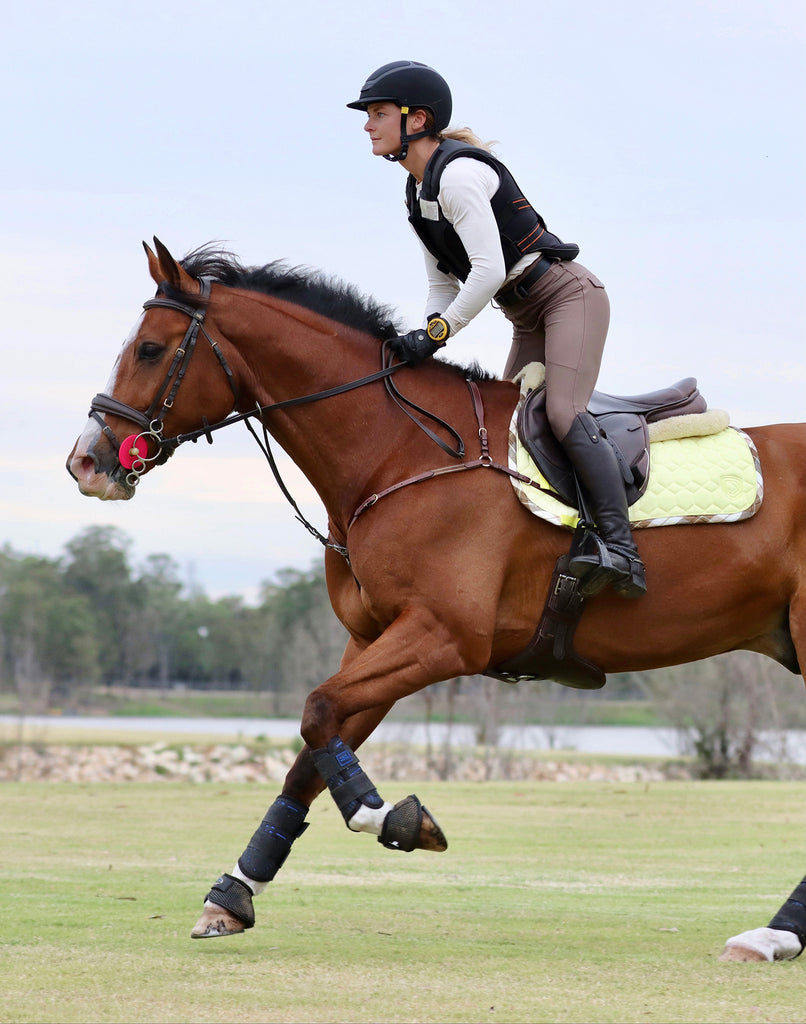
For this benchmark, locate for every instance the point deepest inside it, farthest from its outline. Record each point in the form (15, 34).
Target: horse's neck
(334, 441)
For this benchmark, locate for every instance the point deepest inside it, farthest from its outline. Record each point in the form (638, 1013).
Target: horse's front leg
(228, 907)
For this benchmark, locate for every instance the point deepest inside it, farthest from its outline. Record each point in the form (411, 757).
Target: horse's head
(161, 386)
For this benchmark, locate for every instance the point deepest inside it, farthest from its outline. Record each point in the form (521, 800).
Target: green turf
(554, 902)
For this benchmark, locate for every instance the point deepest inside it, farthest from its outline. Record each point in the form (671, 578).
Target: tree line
(91, 617)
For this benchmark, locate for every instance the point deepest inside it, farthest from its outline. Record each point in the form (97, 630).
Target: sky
(666, 139)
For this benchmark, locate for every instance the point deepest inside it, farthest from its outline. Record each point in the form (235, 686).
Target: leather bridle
(151, 421)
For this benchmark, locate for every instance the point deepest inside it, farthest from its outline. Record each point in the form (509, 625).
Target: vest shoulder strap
(448, 150)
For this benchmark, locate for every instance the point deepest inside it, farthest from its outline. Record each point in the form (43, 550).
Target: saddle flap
(626, 431)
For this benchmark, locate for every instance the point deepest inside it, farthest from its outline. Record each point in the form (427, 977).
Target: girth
(622, 420)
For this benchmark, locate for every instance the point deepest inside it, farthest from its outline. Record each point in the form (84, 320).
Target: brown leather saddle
(623, 421)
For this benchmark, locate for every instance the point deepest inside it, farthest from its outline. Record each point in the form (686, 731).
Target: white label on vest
(429, 208)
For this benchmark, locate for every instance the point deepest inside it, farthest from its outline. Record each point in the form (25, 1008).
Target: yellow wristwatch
(438, 329)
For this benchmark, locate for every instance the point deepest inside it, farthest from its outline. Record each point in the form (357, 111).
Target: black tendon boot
(599, 474)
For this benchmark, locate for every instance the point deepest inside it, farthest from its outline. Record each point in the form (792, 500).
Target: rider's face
(383, 128)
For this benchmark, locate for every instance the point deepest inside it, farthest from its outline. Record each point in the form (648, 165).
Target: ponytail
(458, 134)
(466, 135)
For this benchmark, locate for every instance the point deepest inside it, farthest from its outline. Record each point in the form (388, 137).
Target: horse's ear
(153, 264)
(163, 267)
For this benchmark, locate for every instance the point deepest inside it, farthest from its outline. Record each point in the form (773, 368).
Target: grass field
(554, 902)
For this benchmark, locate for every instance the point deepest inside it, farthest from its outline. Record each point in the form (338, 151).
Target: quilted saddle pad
(711, 479)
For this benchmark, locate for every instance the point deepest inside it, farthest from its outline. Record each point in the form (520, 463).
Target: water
(624, 740)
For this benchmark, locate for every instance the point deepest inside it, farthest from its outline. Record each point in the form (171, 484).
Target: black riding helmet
(409, 85)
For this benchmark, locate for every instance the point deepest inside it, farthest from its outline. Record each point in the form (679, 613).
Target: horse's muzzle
(94, 482)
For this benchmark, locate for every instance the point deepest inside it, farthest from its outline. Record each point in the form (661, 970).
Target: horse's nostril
(82, 467)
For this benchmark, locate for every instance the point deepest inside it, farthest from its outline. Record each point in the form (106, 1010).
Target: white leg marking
(771, 943)
(369, 819)
(256, 887)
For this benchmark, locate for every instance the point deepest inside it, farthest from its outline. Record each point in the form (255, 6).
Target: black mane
(311, 289)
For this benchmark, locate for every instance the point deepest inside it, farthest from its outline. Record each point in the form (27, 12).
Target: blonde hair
(465, 135)
(458, 134)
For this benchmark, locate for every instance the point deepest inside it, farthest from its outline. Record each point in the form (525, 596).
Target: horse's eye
(149, 351)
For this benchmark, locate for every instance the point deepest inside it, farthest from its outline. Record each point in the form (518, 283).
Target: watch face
(437, 329)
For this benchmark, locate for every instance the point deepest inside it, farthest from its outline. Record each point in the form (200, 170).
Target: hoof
(742, 954)
(762, 944)
(216, 921)
(431, 835)
(409, 826)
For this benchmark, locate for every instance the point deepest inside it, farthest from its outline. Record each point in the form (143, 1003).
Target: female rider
(483, 242)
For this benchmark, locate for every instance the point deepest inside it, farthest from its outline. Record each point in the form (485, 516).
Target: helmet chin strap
(405, 139)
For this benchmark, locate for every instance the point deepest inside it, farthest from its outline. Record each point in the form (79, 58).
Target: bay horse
(434, 573)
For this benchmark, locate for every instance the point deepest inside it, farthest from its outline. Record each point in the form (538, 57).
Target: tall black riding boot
(599, 475)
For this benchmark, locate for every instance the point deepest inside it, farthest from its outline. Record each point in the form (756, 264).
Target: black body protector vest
(521, 228)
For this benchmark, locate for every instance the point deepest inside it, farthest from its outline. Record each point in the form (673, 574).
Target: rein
(133, 451)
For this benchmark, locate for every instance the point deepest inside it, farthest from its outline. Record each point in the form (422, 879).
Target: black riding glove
(414, 347)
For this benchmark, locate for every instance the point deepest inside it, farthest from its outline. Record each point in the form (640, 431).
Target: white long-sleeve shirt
(466, 189)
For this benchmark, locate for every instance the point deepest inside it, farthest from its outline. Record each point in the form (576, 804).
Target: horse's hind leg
(784, 938)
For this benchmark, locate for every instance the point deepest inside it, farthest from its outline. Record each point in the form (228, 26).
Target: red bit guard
(134, 448)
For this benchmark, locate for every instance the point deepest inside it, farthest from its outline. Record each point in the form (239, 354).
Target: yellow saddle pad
(711, 479)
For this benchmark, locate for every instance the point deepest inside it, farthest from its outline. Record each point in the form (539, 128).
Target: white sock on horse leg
(256, 887)
(772, 943)
(369, 819)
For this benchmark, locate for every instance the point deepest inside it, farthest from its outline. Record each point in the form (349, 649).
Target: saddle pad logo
(731, 485)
